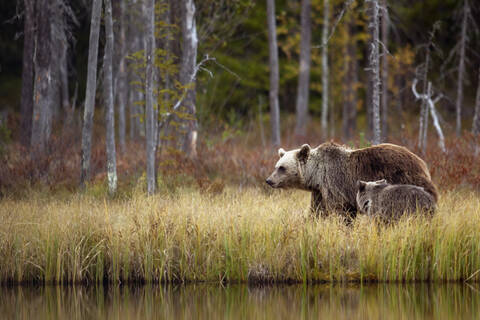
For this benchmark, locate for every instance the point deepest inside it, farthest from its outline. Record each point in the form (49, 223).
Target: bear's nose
(269, 182)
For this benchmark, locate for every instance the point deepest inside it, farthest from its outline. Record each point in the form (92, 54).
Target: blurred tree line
(205, 66)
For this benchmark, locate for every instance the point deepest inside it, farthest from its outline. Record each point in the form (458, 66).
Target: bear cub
(390, 201)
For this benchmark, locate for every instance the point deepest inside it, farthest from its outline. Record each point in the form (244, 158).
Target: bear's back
(394, 163)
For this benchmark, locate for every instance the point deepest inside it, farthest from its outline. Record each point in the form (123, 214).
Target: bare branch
(193, 76)
(345, 7)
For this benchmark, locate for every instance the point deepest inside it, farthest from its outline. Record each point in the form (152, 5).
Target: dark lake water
(390, 301)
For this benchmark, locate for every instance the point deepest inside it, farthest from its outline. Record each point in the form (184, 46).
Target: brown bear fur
(389, 202)
(331, 172)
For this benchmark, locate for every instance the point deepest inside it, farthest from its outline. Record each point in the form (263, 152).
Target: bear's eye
(281, 169)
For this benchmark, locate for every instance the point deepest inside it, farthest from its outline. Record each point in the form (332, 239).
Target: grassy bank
(233, 235)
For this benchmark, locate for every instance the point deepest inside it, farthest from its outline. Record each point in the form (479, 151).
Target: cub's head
(365, 192)
(289, 169)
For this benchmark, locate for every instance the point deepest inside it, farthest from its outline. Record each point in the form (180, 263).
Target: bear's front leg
(317, 206)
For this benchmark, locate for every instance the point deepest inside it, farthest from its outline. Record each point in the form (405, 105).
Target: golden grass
(238, 235)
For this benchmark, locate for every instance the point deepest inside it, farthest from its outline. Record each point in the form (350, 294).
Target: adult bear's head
(290, 168)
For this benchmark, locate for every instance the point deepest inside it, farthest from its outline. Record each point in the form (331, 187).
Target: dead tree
(423, 126)
(108, 97)
(149, 85)
(304, 72)
(374, 62)
(274, 73)
(42, 113)
(461, 67)
(430, 102)
(90, 91)
(325, 91)
(26, 104)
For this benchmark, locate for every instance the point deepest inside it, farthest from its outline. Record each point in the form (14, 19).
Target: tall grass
(236, 235)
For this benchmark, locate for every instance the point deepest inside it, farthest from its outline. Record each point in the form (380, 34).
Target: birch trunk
(26, 104)
(374, 72)
(461, 69)
(325, 91)
(189, 60)
(384, 112)
(149, 85)
(108, 97)
(90, 91)
(304, 73)
(43, 79)
(274, 73)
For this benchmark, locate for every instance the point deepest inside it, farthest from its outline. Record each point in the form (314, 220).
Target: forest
(136, 137)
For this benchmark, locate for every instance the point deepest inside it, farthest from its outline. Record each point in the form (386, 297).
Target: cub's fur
(389, 202)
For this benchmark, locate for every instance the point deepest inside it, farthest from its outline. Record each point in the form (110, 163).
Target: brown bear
(389, 202)
(331, 172)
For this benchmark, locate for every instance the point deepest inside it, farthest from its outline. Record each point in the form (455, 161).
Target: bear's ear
(304, 152)
(281, 152)
(361, 185)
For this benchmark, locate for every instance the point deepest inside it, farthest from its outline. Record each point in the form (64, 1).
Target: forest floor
(231, 235)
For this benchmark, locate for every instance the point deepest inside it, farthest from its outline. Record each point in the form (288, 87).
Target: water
(391, 301)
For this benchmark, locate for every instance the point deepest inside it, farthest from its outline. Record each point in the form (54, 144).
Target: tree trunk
(90, 91)
(461, 68)
(304, 73)
(384, 71)
(149, 84)
(436, 123)
(108, 97)
(350, 80)
(189, 60)
(43, 79)
(64, 79)
(476, 117)
(122, 91)
(422, 134)
(374, 72)
(26, 105)
(167, 83)
(131, 36)
(274, 73)
(427, 97)
(325, 92)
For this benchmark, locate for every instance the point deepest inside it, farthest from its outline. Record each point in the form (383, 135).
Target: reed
(237, 235)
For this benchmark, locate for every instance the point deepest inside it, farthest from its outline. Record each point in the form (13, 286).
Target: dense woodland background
(199, 93)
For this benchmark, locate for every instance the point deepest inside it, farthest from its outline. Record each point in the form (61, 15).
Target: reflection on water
(389, 301)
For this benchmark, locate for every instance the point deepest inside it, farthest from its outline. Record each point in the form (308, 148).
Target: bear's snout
(269, 182)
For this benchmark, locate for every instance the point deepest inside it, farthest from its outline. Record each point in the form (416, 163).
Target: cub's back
(405, 198)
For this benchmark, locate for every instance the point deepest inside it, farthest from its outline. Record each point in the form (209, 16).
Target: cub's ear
(304, 152)
(361, 185)
(281, 152)
(383, 181)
